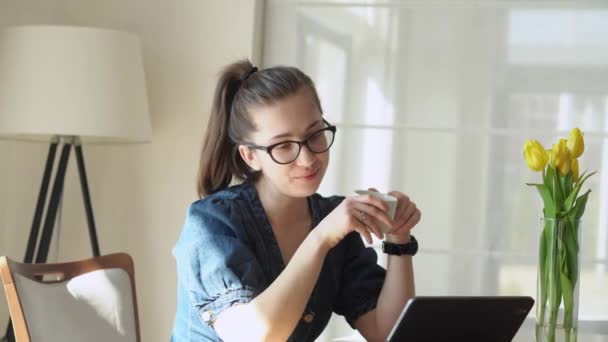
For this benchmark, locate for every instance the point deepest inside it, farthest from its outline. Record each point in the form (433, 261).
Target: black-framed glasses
(285, 152)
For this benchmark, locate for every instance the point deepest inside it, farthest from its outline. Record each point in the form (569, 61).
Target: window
(436, 99)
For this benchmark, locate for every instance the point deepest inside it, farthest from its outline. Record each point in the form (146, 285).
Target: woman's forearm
(397, 290)
(276, 311)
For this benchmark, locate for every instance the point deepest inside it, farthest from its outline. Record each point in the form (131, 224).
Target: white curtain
(435, 99)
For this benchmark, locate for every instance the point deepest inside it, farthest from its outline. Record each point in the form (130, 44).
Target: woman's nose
(306, 157)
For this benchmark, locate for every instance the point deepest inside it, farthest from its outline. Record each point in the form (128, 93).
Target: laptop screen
(470, 319)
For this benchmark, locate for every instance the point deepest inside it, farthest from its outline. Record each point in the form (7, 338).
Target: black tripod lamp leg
(10, 335)
(86, 197)
(51, 214)
(44, 187)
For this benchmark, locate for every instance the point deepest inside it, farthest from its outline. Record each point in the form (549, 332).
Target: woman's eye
(316, 136)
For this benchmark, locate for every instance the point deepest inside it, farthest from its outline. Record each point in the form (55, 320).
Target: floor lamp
(69, 86)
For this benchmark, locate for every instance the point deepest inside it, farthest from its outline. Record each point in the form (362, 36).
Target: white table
(527, 335)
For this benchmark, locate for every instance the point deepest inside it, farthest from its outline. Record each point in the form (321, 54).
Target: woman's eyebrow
(284, 135)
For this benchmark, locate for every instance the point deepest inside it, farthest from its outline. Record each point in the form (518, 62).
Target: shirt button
(207, 316)
(309, 317)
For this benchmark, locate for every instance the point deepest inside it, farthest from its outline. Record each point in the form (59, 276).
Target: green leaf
(549, 176)
(577, 187)
(569, 212)
(569, 183)
(582, 180)
(579, 207)
(569, 269)
(564, 183)
(581, 176)
(558, 193)
(550, 209)
(567, 294)
(542, 263)
(553, 283)
(571, 247)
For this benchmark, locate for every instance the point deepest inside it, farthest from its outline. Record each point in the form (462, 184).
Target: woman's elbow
(244, 323)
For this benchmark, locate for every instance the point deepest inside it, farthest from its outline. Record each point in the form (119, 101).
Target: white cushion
(96, 306)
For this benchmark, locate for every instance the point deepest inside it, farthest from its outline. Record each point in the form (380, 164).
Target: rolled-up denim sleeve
(215, 264)
(362, 280)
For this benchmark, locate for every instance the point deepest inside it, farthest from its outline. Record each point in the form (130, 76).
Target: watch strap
(410, 248)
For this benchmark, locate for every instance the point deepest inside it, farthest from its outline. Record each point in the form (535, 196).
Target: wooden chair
(87, 300)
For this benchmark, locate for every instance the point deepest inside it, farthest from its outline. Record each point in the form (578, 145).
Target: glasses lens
(285, 152)
(321, 141)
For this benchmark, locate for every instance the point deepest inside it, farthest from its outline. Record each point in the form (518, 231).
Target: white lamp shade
(80, 81)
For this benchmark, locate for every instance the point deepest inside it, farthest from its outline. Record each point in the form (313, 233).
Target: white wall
(139, 192)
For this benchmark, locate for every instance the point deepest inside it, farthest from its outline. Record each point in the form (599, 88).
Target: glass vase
(558, 280)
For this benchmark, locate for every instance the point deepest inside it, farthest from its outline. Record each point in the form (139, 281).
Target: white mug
(386, 198)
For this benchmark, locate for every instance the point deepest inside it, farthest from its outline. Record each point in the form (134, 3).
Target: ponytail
(240, 87)
(217, 164)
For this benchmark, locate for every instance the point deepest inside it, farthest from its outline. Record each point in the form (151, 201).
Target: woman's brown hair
(239, 88)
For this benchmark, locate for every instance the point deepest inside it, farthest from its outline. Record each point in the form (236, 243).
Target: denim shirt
(227, 254)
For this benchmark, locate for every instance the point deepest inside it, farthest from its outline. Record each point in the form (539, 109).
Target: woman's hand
(407, 215)
(356, 213)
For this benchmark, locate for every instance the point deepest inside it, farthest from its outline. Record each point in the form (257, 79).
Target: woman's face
(293, 118)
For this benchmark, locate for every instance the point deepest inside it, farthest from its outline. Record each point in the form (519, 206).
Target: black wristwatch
(410, 248)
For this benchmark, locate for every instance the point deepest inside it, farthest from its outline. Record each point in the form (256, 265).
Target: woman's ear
(249, 156)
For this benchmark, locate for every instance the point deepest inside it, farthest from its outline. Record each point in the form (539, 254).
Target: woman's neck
(282, 210)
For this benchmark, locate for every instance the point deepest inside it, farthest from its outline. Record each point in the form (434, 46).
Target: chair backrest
(87, 300)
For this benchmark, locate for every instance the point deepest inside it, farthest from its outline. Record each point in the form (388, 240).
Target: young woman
(269, 259)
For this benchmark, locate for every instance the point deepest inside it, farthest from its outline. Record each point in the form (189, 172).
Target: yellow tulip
(560, 156)
(564, 168)
(576, 143)
(535, 155)
(550, 154)
(574, 169)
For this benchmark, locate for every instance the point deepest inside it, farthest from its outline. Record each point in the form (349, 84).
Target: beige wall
(139, 192)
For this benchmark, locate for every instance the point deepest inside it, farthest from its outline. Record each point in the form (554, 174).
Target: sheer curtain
(435, 99)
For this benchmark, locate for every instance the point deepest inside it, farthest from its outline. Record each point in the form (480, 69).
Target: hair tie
(248, 73)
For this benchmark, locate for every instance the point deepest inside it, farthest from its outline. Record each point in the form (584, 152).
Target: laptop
(471, 319)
